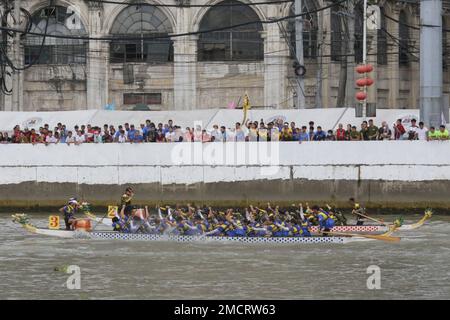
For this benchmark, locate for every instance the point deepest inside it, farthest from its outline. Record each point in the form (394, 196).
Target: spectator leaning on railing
(252, 131)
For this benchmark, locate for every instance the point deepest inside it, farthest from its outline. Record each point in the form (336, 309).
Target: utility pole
(431, 62)
(299, 53)
(364, 104)
(17, 59)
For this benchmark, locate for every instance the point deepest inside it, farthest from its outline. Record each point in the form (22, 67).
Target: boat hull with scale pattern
(112, 235)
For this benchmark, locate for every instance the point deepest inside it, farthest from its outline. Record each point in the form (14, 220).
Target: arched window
(61, 21)
(336, 34)
(140, 22)
(382, 39)
(238, 43)
(403, 35)
(310, 27)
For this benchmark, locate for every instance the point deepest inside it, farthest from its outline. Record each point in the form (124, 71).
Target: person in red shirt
(27, 134)
(90, 133)
(16, 134)
(205, 136)
(399, 130)
(340, 133)
(43, 134)
(34, 137)
(188, 135)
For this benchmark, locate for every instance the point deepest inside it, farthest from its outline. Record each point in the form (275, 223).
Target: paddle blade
(383, 238)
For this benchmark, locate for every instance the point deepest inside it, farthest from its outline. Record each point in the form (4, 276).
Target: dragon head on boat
(85, 207)
(21, 218)
(428, 213)
(398, 222)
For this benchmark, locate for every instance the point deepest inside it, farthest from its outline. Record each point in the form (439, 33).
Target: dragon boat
(332, 238)
(315, 229)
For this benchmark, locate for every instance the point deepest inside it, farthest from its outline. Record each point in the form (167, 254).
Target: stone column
(97, 63)
(372, 49)
(185, 64)
(393, 67)
(14, 102)
(415, 65)
(185, 73)
(276, 55)
(326, 60)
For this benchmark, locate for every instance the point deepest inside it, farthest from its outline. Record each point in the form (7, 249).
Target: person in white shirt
(50, 138)
(230, 134)
(170, 135)
(239, 133)
(216, 134)
(253, 132)
(80, 138)
(122, 138)
(412, 130)
(70, 138)
(422, 132)
(178, 134)
(98, 137)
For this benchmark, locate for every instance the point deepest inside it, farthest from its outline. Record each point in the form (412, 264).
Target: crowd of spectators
(277, 130)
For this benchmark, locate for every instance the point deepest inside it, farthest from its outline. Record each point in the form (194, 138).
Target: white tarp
(181, 118)
(100, 117)
(37, 119)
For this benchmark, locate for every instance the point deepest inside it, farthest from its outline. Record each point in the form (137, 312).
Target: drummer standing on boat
(126, 198)
(358, 211)
(69, 212)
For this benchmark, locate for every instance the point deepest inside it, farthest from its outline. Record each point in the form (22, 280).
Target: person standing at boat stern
(358, 211)
(126, 198)
(69, 212)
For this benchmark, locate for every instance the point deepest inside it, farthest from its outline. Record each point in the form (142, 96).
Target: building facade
(181, 55)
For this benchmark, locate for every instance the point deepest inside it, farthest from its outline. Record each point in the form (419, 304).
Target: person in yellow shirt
(432, 134)
(286, 133)
(442, 134)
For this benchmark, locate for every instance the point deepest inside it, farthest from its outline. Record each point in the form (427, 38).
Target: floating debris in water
(62, 269)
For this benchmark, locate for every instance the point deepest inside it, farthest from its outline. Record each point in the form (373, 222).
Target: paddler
(275, 227)
(299, 228)
(341, 220)
(325, 219)
(358, 211)
(69, 212)
(235, 218)
(186, 227)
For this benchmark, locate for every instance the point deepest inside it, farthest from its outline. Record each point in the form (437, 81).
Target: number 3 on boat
(53, 222)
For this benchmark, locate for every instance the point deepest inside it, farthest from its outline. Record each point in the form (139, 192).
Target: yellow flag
(245, 106)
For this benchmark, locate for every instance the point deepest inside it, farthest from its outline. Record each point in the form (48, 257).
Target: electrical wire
(175, 35)
(188, 5)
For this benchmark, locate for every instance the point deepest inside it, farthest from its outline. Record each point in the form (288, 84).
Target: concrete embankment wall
(379, 174)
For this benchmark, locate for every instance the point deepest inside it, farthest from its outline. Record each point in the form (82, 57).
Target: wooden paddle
(370, 218)
(370, 236)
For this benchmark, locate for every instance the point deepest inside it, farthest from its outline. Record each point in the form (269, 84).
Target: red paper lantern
(361, 82)
(361, 95)
(364, 68)
(361, 69)
(369, 81)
